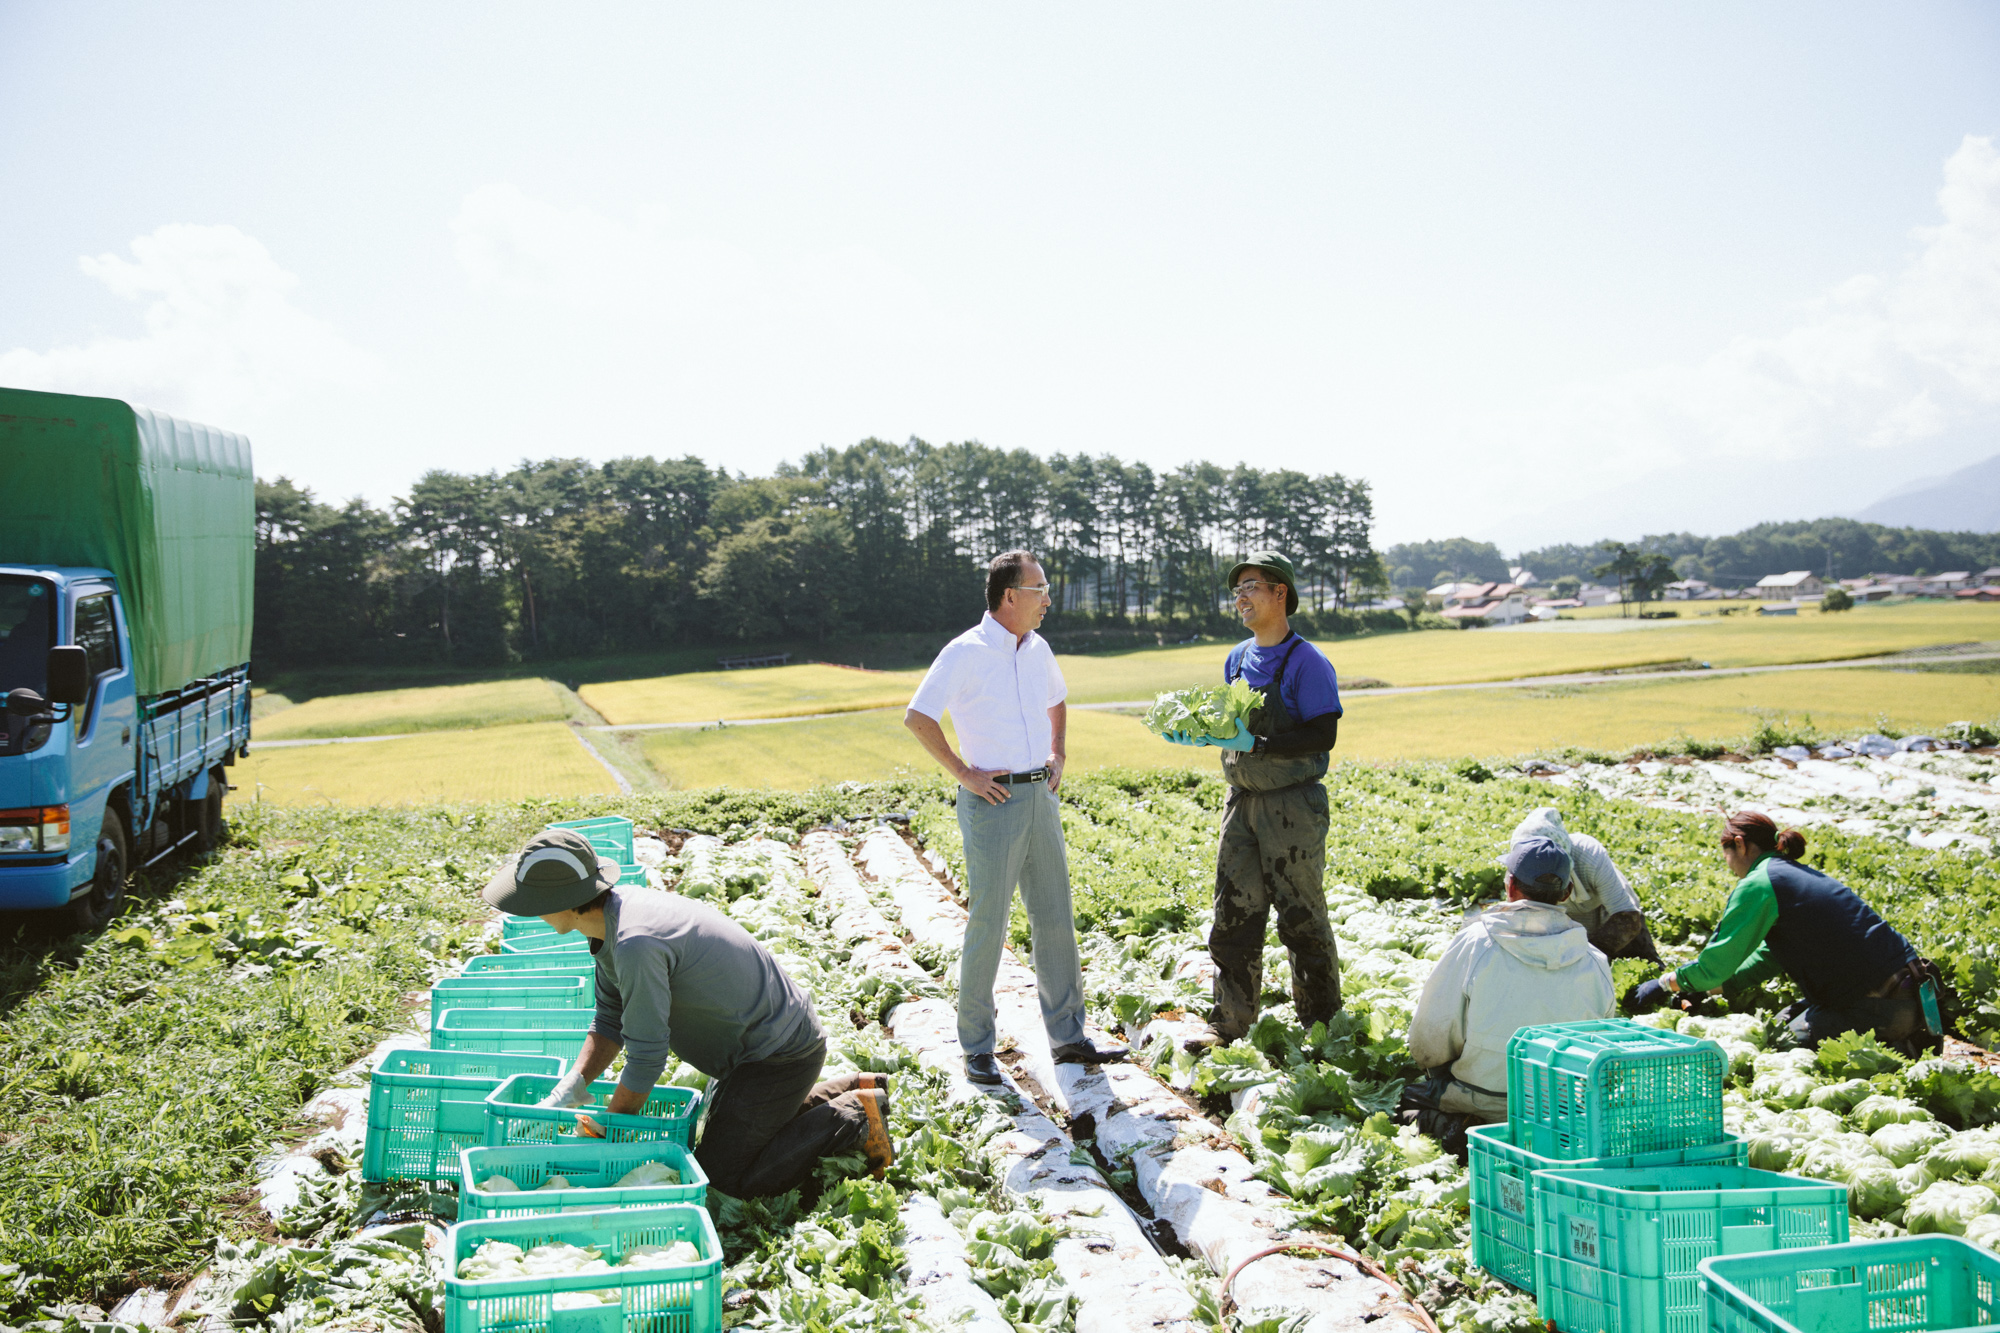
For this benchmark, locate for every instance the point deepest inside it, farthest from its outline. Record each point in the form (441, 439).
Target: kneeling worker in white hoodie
(1517, 964)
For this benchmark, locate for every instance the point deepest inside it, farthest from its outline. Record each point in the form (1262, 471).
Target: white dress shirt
(999, 692)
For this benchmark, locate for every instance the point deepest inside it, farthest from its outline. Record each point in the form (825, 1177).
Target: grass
(786, 691)
(501, 763)
(147, 1067)
(434, 708)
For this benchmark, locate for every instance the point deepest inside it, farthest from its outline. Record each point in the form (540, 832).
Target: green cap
(556, 872)
(1278, 565)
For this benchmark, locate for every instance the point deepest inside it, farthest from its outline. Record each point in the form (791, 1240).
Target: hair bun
(1791, 844)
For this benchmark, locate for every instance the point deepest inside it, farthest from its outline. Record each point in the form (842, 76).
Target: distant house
(1943, 585)
(1801, 585)
(1872, 592)
(1690, 590)
(1522, 578)
(1488, 604)
(1989, 578)
(1986, 593)
(1446, 593)
(1592, 594)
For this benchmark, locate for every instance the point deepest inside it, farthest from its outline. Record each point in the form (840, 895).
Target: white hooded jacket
(1515, 965)
(1597, 892)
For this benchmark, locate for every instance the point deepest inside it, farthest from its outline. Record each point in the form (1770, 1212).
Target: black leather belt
(1033, 775)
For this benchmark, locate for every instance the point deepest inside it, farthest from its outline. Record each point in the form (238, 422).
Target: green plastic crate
(1503, 1193)
(1616, 1251)
(424, 1106)
(482, 964)
(514, 992)
(548, 945)
(1613, 1088)
(687, 1299)
(557, 1032)
(609, 835)
(593, 1167)
(522, 927)
(512, 1117)
(1914, 1284)
(632, 874)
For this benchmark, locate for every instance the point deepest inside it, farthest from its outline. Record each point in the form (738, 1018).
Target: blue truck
(127, 573)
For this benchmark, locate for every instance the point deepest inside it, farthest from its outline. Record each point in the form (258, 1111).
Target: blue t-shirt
(1310, 688)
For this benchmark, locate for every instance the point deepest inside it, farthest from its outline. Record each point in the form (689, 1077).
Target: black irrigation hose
(1423, 1316)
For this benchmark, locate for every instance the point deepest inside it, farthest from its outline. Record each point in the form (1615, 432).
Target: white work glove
(571, 1090)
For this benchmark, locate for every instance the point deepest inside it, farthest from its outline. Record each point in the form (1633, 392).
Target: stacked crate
(463, 1112)
(1613, 1179)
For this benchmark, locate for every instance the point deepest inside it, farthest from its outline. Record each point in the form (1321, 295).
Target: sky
(1546, 272)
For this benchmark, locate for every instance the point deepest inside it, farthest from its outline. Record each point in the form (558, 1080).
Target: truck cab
(92, 785)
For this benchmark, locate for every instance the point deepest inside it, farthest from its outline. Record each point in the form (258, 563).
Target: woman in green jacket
(1853, 970)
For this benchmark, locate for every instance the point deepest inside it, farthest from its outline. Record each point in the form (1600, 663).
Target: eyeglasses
(1249, 586)
(1038, 589)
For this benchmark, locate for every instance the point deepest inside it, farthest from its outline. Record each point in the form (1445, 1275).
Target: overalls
(1273, 854)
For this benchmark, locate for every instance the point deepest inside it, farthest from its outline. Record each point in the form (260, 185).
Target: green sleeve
(1736, 947)
(1755, 970)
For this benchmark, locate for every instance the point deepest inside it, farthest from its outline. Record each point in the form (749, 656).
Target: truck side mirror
(69, 675)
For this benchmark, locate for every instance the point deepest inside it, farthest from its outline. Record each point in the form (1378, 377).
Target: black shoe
(982, 1068)
(1087, 1052)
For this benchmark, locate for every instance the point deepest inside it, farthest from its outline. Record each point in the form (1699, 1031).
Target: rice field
(868, 747)
(786, 691)
(1617, 717)
(1448, 724)
(432, 708)
(497, 763)
(1452, 657)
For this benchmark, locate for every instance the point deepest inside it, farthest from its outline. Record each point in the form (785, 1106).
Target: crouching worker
(1599, 898)
(1517, 964)
(676, 976)
(1856, 972)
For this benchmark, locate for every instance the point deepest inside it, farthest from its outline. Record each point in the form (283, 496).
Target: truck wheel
(208, 818)
(107, 885)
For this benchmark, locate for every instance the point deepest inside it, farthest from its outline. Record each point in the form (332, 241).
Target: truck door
(104, 723)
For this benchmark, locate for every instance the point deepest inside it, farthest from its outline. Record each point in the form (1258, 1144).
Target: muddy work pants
(1273, 858)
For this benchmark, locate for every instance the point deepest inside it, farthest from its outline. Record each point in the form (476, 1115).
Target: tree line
(567, 558)
(1839, 547)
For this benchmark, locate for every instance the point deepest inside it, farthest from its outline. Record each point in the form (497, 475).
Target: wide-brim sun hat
(556, 872)
(1278, 565)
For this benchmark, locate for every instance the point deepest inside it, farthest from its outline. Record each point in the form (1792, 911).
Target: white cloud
(1877, 362)
(222, 336)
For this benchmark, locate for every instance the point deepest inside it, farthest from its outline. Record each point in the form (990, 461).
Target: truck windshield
(27, 630)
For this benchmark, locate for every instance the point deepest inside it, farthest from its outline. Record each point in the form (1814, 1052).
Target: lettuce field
(150, 1068)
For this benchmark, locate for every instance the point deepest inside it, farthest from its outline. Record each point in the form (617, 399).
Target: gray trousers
(1018, 842)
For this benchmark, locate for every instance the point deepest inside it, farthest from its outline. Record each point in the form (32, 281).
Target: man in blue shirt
(1274, 820)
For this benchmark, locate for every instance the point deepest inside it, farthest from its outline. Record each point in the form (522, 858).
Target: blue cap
(1539, 864)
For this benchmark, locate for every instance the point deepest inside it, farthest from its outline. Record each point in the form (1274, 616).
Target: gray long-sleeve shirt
(675, 975)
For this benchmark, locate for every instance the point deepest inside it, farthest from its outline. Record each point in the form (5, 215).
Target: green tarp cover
(168, 506)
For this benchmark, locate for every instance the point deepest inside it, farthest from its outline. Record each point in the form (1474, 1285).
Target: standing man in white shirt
(1000, 682)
